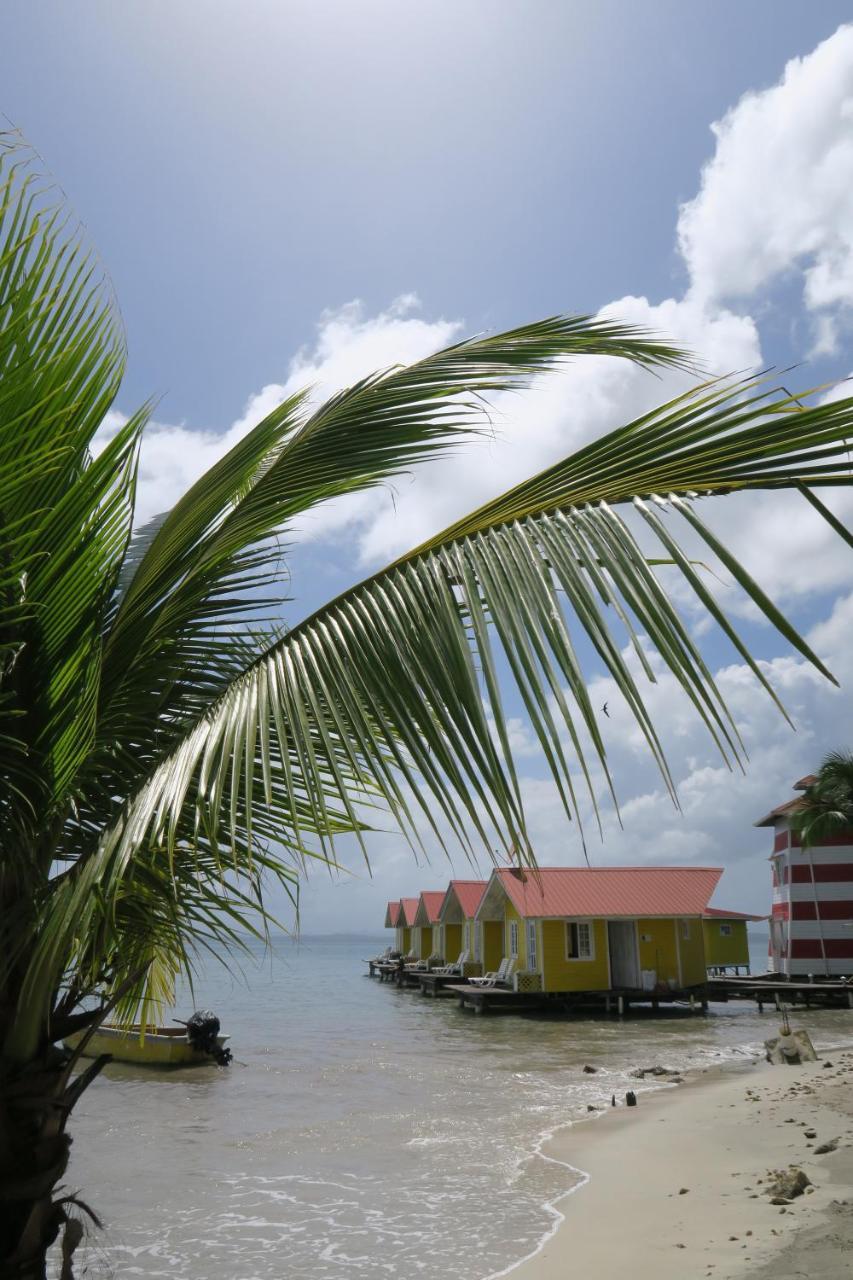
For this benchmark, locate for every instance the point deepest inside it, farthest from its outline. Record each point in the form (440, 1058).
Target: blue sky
(272, 185)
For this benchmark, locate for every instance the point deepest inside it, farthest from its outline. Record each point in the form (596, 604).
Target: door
(624, 961)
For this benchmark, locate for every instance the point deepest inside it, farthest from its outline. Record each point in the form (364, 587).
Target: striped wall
(811, 927)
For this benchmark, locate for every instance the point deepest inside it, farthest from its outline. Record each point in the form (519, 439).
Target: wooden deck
(437, 984)
(775, 991)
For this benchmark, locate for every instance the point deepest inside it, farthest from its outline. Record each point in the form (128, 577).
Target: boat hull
(164, 1047)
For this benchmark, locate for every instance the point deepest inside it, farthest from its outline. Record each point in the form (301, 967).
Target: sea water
(362, 1131)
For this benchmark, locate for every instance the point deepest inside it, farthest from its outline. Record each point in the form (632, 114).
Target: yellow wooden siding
(561, 974)
(452, 942)
(659, 948)
(722, 950)
(405, 940)
(692, 953)
(422, 941)
(493, 945)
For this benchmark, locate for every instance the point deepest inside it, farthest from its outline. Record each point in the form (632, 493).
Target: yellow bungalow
(392, 921)
(460, 930)
(582, 929)
(426, 924)
(405, 924)
(726, 941)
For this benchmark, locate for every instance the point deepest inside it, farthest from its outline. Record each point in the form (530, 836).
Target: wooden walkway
(776, 991)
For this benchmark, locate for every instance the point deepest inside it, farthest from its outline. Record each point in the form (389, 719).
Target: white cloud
(349, 344)
(777, 197)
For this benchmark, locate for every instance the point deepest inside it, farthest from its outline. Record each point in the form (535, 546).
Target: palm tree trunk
(35, 1102)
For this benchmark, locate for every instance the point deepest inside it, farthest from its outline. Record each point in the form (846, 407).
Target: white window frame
(725, 930)
(513, 939)
(590, 941)
(532, 949)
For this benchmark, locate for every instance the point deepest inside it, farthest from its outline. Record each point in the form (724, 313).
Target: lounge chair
(425, 966)
(500, 977)
(455, 970)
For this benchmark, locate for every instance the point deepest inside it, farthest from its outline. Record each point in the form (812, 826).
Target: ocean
(362, 1131)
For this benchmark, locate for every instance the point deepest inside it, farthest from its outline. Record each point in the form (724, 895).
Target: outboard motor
(202, 1030)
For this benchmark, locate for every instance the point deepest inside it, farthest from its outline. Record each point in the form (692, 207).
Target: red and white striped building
(811, 927)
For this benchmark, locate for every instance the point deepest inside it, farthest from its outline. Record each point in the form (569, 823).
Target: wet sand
(678, 1185)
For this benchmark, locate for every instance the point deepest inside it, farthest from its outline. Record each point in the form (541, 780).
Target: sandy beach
(678, 1185)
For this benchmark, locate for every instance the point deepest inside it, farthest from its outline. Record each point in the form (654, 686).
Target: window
(531, 944)
(685, 930)
(513, 938)
(726, 930)
(579, 942)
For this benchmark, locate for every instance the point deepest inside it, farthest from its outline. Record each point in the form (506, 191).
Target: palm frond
(392, 691)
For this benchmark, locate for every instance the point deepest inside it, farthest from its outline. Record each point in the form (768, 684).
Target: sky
(291, 193)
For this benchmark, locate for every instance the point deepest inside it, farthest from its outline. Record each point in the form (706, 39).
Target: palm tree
(170, 748)
(826, 805)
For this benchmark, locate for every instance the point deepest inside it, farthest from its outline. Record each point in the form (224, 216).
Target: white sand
(717, 1137)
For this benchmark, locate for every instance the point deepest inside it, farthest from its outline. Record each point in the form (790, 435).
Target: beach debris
(683, 1191)
(640, 1073)
(788, 1184)
(790, 1048)
(590, 1071)
(613, 1099)
(825, 1147)
(827, 1064)
(590, 1107)
(810, 1133)
(630, 1099)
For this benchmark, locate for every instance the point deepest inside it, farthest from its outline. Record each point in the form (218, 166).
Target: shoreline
(695, 1203)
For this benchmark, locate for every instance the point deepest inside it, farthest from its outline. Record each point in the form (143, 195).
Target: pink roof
(610, 891)
(432, 901)
(469, 894)
(409, 907)
(393, 914)
(717, 913)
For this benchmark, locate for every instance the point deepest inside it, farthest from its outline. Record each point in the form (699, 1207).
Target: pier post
(621, 1006)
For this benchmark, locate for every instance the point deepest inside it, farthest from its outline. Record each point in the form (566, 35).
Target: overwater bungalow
(405, 924)
(424, 942)
(461, 931)
(572, 929)
(726, 940)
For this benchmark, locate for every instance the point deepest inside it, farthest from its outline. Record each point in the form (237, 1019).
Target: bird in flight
(606, 712)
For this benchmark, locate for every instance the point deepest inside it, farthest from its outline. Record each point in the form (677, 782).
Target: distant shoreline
(714, 1136)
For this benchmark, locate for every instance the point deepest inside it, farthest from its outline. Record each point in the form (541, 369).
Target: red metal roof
(807, 781)
(409, 907)
(717, 913)
(393, 914)
(432, 900)
(610, 891)
(469, 894)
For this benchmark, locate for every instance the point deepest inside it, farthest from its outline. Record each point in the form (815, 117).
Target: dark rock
(683, 1191)
(590, 1107)
(789, 1183)
(810, 1133)
(590, 1071)
(825, 1147)
(630, 1099)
